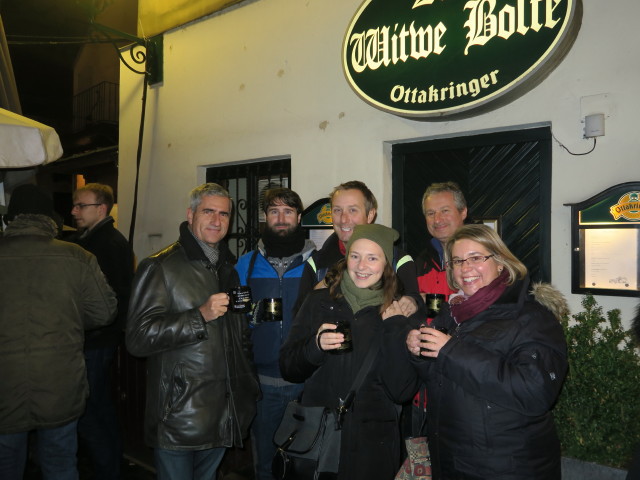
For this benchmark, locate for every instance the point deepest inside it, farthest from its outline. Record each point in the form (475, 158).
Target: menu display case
(605, 242)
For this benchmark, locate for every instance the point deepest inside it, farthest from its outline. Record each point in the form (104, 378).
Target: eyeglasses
(80, 206)
(473, 260)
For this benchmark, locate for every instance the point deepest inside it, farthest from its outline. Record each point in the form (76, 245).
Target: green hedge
(598, 413)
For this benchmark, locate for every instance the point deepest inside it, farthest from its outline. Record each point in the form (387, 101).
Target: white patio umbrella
(25, 142)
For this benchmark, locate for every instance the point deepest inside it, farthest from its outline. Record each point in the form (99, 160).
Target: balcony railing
(98, 104)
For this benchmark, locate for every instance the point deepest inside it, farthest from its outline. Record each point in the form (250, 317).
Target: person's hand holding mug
(334, 337)
(327, 338)
(215, 306)
(432, 339)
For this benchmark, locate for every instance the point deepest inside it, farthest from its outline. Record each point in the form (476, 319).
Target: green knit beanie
(383, 236)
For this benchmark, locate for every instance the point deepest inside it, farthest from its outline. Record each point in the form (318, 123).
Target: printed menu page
(611, 258)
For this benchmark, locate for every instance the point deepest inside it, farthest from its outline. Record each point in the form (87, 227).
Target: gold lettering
(379, 47)
(483, 24)
(434, 94)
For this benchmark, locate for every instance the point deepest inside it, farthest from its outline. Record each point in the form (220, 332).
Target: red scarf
(342, 247)
(463, 307)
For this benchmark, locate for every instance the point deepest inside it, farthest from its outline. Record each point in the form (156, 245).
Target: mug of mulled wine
(440, 329)
(345, 329)
(270, 310)
(240, 299)
(434, 301)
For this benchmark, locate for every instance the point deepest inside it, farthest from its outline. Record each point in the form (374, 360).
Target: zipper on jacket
(457, 330)
(280, 279)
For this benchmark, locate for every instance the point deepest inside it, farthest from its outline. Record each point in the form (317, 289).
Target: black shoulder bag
(309, 438)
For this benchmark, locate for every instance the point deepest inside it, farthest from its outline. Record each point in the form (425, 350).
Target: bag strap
(345, 404)
(364, 369)
(252, 263)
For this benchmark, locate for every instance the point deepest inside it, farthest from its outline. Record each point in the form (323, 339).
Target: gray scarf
(210, 252)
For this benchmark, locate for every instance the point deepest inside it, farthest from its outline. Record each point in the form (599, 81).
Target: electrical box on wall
(594, 125)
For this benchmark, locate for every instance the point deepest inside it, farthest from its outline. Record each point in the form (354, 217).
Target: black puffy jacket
(371, 442)
(492, 387)
(201, 385)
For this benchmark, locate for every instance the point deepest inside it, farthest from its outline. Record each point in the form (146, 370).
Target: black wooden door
(504, 176)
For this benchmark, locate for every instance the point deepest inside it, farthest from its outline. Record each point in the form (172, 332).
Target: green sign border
(515, 87)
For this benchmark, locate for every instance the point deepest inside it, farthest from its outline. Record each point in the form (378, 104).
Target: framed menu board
(605, 242)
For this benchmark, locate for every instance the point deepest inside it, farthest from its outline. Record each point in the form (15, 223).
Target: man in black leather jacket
(201, 385)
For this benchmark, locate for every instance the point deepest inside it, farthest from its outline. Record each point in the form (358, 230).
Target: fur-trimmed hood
(550, 297)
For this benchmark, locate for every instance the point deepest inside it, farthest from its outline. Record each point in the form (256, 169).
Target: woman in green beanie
(361, 288)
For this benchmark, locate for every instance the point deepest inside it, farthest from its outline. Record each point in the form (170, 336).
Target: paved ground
(133, 471)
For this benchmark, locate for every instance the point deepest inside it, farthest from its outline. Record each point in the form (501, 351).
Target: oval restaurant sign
(434, 58)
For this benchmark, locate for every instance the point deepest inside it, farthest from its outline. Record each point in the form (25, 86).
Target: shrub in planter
(598, 413)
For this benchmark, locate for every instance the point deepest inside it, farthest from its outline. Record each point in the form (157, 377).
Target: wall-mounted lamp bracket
(145, 55)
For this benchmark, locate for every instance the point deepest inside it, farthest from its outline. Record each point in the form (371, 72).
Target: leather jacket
(201, 385)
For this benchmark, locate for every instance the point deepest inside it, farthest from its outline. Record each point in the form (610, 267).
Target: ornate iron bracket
(145, 54)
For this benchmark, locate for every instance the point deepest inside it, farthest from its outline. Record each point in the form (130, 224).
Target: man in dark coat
(201, 385)
(50, 292)
(98, 427)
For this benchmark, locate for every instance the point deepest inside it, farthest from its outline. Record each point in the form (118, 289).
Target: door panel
(505, 176)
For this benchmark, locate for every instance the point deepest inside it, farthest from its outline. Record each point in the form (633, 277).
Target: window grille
(247, 184)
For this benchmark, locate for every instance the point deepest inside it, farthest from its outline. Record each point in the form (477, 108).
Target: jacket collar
(512, 299)
(108, 220)
(194, 252)
(31, 224)
(307, 250)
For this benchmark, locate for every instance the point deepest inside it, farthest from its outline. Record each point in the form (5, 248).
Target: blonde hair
(489, 239)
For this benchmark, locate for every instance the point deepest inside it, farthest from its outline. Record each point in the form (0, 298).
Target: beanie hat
(383, 236)
(31, 199)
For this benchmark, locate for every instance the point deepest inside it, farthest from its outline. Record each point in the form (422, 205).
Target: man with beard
(273, 272)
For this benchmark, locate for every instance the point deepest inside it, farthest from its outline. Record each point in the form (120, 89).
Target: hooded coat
(201, 385)
(50, 292)
(492, 387)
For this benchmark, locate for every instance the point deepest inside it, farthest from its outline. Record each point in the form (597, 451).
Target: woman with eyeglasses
(493, 379)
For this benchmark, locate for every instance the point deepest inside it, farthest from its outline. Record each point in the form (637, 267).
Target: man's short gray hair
(207, 190)
(458, 196)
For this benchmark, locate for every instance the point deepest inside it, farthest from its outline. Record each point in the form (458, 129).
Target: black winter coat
(491, 390)
(116, 261)
(201, 385)
(370, 448)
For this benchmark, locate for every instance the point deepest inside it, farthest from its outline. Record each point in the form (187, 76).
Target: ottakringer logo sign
(628, 207)
(437, 58)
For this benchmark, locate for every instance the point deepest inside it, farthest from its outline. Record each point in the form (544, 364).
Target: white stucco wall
(265, 80)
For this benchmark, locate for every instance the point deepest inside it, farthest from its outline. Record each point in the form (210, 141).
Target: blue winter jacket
(268, 337)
